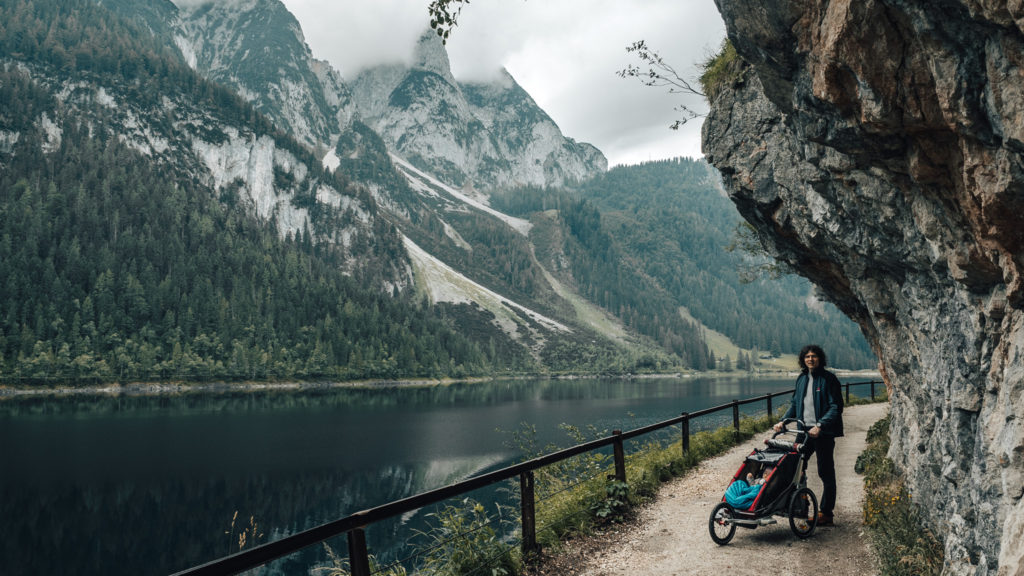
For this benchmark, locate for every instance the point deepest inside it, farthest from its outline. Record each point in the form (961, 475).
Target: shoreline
(182, 387)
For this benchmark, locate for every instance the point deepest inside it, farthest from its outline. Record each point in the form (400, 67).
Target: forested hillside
(673, 218)
(116, 267)
(647, 240)
(111, 272)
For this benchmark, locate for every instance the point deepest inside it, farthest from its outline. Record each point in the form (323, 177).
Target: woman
(818, 401)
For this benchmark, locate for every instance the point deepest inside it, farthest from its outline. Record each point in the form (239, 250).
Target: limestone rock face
(877, 147)
(478, 135)
(257, 48)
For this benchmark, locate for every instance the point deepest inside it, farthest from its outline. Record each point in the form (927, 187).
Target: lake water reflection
(150, 484)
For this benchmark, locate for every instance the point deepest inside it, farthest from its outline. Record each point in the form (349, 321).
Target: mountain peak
(431, 55)
(478, 134)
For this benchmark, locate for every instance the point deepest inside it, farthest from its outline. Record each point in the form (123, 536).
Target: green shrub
(721, 71)
(463, 540)
(615, 503)
(902, 545)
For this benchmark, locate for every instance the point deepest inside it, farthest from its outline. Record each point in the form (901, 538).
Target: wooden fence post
(736, 416)
(768, 399)
(529, 517)
(358, 558)
(686, 433)
(847, 392)
(872, 390)
(620, 457)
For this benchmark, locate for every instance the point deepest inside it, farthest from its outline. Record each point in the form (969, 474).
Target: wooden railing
(355, 525)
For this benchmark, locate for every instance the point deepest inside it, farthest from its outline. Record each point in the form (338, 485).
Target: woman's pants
(824, 449)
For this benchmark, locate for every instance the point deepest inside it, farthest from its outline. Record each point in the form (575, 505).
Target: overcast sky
(565, 53)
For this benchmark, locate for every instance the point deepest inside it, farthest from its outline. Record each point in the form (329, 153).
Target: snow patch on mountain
(331, 161)
(187, 51)
(457, 238)
(445, 284)
(105, 99)
(427, 184)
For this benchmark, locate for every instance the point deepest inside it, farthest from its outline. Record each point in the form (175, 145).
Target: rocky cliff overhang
(877, 147)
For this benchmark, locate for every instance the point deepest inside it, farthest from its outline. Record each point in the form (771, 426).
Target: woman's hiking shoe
(824, 519)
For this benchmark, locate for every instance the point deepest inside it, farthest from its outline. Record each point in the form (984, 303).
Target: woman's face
(811, 360)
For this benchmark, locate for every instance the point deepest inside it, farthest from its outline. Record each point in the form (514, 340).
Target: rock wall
(876, 146)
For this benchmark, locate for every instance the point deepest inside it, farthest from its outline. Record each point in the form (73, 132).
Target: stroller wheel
(720, 525)
(803, 512)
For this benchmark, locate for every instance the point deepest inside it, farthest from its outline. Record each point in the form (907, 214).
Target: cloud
(565, 53)
(356, 34)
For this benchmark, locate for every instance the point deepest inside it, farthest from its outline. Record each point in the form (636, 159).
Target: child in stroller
(771, 482)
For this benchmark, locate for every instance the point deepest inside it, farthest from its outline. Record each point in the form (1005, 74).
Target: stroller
(774, 483)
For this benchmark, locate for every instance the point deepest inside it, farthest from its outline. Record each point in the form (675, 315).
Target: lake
(107, 485)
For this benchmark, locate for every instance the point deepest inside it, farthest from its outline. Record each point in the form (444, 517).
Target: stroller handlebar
(786, 445)
(800, 432)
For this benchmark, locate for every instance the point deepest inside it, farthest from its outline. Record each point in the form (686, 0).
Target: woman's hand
(813, 432)
(778, 427)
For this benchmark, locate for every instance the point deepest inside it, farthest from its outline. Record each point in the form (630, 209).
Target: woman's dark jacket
(828, 401)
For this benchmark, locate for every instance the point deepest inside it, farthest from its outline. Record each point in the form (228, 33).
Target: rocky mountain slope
(392, 129)
(478, 134)
(201, 130)
(877, 148)
(257, 48)
(475, 135)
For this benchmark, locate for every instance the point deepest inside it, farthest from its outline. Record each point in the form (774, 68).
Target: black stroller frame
(783, 466)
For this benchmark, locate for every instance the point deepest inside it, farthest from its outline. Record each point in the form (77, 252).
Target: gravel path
(670, 536)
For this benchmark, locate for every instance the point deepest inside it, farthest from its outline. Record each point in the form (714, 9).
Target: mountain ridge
(479, 146)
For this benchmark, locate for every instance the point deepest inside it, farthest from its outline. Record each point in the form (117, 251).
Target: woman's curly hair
(822, 359)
